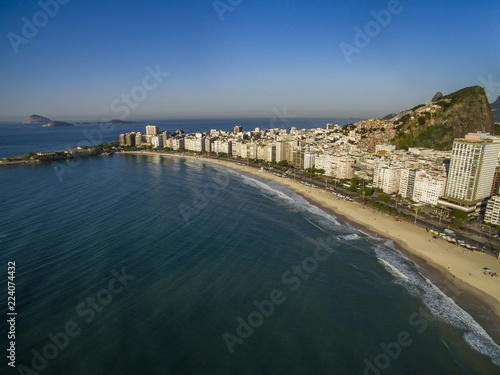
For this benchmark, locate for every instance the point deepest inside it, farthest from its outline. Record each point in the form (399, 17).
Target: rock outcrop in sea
(35, 119)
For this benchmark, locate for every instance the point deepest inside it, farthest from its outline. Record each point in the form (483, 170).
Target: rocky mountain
(53, 124)
(436, 97)
(35, 119)
(436, 124)
(495, 108)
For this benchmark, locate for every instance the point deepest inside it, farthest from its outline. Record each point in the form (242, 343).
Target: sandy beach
(456, 271)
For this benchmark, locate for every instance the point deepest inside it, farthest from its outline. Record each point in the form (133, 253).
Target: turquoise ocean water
(154, 265)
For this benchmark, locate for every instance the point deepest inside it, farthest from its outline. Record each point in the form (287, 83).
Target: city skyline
(68, 60)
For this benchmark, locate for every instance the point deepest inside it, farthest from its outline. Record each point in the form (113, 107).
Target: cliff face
(436, 124)
(35, 119)
(495, 107)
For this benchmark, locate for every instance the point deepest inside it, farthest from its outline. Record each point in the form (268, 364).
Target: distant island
(112, 122)
(56, 124)
(35, 119)
(47, 122)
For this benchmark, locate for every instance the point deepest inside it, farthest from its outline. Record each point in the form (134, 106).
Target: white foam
(350, 237)
(265, 188)
(440, 305)
(392, 270)
(295, 200)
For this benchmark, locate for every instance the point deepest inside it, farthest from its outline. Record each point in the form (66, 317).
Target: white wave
(439, 304)
(265, 188)
(294, 199)
(392, 270)
(350, 237)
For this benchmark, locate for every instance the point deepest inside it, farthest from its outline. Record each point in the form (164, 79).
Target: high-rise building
(492, 214)
(281, 149)
(428, 188)
(130, 139)
(152, 130)
(472, 169)
(309, 159)
(344, 167)
(407, 182)
(298, 158)
(238, 129)
(157, 140)
(270, 153)
(387, 177)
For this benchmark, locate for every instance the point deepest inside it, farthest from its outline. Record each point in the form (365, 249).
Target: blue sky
(261, 57)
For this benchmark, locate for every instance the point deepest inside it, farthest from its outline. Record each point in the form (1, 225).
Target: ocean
(146, 264)
(138, 264)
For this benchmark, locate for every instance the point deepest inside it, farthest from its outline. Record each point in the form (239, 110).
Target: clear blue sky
(263, 56)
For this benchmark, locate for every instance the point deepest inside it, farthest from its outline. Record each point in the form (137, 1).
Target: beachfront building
(387, 177)
(177, 143)
(281, 149)
(157, 141)
(130, 139)
(343, 167)
(198, 144)
(407, 182)
(324, 161)
(269, 153)
(309, 158)
(428, 188)
(209, 144)
(492, 214)
(472, 169)
(298, 158)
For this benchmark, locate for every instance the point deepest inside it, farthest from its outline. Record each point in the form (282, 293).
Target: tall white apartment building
(227, 147)
(427, 188)
(344, 167)
(472, 169)
(407, 182)
(281, 148)
(309, 158)
(198, 144)
(270, 153)
(177, 143)
(187, 144)
(157, 141)
(387, 177)
(324, 161)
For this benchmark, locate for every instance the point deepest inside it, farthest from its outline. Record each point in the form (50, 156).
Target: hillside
(35, 119)
(436, 124)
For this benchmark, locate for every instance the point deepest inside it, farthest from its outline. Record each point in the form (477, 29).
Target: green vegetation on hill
(431, 137)
(451, 116)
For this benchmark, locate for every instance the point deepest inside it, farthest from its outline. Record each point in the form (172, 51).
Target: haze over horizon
(73, 60)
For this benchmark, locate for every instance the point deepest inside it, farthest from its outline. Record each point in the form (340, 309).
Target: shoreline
(457, 273)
